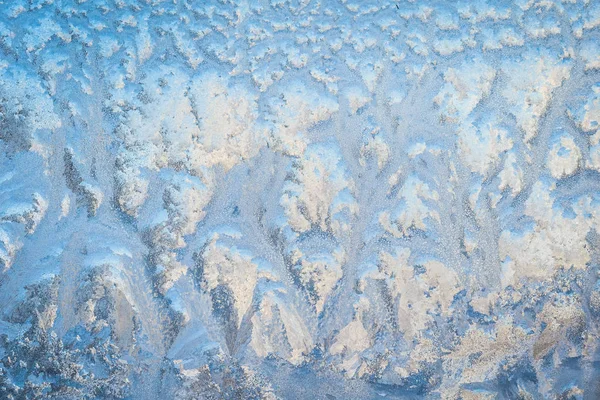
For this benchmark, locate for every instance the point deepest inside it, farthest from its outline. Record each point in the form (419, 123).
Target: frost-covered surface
(299, 199)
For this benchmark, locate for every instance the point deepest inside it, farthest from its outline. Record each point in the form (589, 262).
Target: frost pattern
(299, 199)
